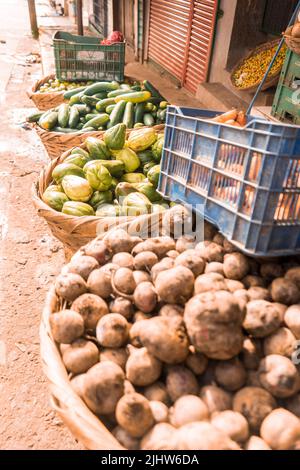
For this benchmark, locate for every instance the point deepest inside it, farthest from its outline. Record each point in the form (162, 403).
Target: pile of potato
(183, 346)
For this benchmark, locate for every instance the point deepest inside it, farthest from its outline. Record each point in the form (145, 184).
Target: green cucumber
(128, 116)
(148, 119)
(74, 117)
(101, 105)
(100, 87)
(90, 116)
(113, 94)
(154, 92)
(117, 114)
(97, 121)
(110, 108)
(48, 120)
(136, 88)
(100, 96)
(34, 117)
(80, 126)
(63, 115)
(89, 100)
(139, 112)
(82, 109)
(68, 94)
(76, 99)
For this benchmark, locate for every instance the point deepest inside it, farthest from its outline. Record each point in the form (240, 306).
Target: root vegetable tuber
(119, 241)
(192, 260)
(211, 282)
(70, 286)
(251, 353)
(133, 413)
(256, 443)
(99, 283)
(210, 251)
(145, 261)
(175, 286)
(203, 436)
(160, 411)
(142, 368)
(163, 265)
(292, 319)
(262, 318)
(157, 392)
(66, 326)
(123, 281)
(118, 356)
(80, 356)
(236, 266)
(186, 242)
(279, 376)
(196, 362)
(127, 441)
(214, 267)
(231, 375)
(285, 291)
(216, 399)
(233, 424)
(98, 250)
(91, 308)
(160, 437)
(282, 342)
(141, 276)
(259, 293)
(255, 404)
(123, 260)
(83, 265)
(145, 297)
(122, 306)
(181, 381)
(188, 409)
(281, 429)
(160, 246)
(112, 331)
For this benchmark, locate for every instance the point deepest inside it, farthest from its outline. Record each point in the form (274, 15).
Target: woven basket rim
(271, 79)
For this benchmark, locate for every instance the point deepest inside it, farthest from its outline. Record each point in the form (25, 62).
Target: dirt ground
(30, 259)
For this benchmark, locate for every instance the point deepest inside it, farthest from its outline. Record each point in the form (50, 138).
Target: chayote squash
(123, 189)
(78, 209)
(97, 149)
(159, 208)
(115, 137)
(157, 149)
(77, 188)
(63, 169)
(98, 176)
(148, 190)
(55, 187)
(76, 159)
(114, 183)
(135, 204)
(153, 175)
(115, 167)
(55, 199)
(101, 197)
(108, 210)
(148, 167)
(141, 139)
(129, 158)
(145, 157)
(133, 177)
(81, 151)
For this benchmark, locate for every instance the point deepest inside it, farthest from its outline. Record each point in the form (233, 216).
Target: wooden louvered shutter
(169, 22)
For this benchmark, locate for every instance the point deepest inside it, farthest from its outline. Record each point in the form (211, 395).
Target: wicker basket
(72, 231)
(83, 424)
(57, 143)
(45, 101)
(271, 80)
(291, 42)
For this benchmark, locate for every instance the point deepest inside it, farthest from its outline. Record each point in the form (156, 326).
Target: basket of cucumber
(92, 188)
(95, 108)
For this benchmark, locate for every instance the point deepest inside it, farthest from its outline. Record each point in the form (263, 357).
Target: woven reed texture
(271, 80)
(57, 143)
(45, 101)
(291, 42)
(72, 231)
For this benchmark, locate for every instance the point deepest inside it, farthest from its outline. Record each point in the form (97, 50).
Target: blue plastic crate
(245, 181)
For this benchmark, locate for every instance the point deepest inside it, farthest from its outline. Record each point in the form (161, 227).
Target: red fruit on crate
(114, 37)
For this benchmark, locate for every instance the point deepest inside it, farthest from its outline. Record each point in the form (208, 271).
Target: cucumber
(148, 119)
(117, 114)
(113, 94)
(90, 116)
(134, 97)
(101, 105)
(149, 107)
(97, 121)
(82, 109)
(100, 96)
(128, 116)
(63, 115)
(125, 86)
(100, 87)
(76, 99)
(89, 100)
(110, 108)
(154, 92)
(80, 126)
(136, 88)
(48, 120)
(73, 117)
(163, 104)
(68, 94)
(34, 117)
(139, 112)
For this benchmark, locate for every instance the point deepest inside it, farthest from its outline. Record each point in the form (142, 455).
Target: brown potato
(161, 437)
(231, 375)
(103, 388)
(175, 286)
(270, 271)
(210, 251)
(279, 376)
(216, 399)
(66, 326)
(118, 356)
(127, 441)
(233, 285)
(99, 283)
(285, 291)
(123, 281)
(157, 392)
(229, 247)
(242, 298)
(281, 429)
(172, 311)
(293, 275)
(98, 250)
(160, 246)
(160, 411)
(219, 239)
(233, 424)
(282, 342)
(281, 309)
(134, 414)
(214, 267)
(122, 306)
(255, 404)
(203, 436)
(196, 362)
(163, 265)
(262, 318)
(145, 297)
(70, 286)
(142, 368)
(292, 319)
(236, 266)
(77, 384)
(191, 259)
(186, 242)
(145, 261)
(80, 356)
(119, 241)
(251, 353)
(112, 331)
(256, 443)
(173, 254)
(209, 283)
(123, 260)
(141, 276)
(188, 409)
(213, 321)
(138, 316)
(258, 293)
(181, 381)
(91, 308)
(253, 281)
(83, 265)
(253, 379)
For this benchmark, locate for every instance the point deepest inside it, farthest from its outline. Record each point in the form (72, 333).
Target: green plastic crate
(286, 105)
(84, 58)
